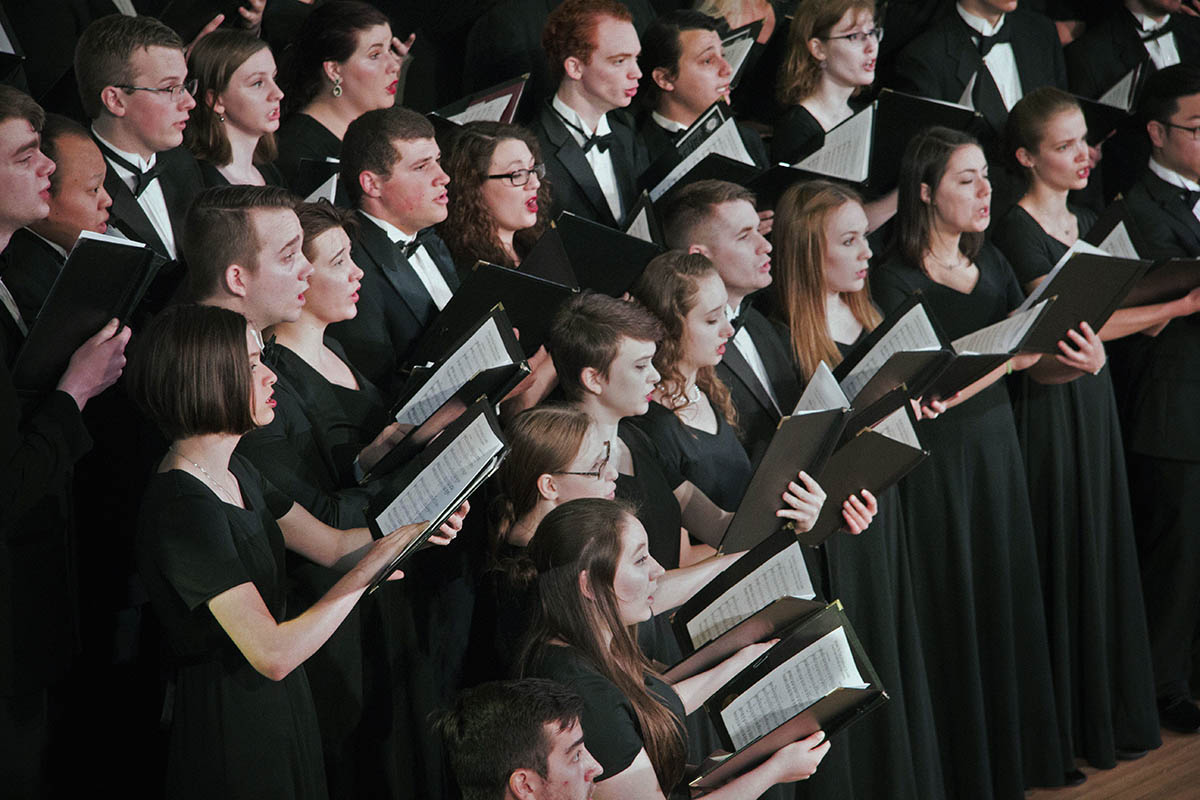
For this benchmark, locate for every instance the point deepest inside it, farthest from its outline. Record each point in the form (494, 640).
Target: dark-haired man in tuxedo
(391, 168)
(591, 150)
(1162, 439)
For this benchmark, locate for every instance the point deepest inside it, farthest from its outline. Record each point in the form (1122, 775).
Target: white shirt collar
(572, 116)
(394, 234)
(1172, 177)
(132, 158)
(57, 249)
(1148, 24)
(979, 24)
(667, 124)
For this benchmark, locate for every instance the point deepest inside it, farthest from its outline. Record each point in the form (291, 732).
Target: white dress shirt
(745, 345)
(151, 200)
(1162, 51)
(1000, 60)
(601, 163)
(422, 263)
(669, 125)
(1175, 179)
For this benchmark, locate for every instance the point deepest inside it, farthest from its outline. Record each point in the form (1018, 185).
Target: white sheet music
(1080, 246)
(822, 393)
(6, 45)
(106, 237)
(439, 484)
(640, 226)
(968, 100)
(1121, 95)
(793, 686)
(484, 349)
(1001, 337)
(735, 52)
(913, 331)
(846, 153)
(487, 111)
(725, 141)
(782, 575)
(898, 427)
(1118, 243)
(326, 190)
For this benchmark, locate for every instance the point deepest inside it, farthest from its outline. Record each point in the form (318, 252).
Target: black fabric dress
(301, 137)
(797, 135)
(974, 565)
(1079, 493)
(213, 176)
(235, 733)
(651, 490)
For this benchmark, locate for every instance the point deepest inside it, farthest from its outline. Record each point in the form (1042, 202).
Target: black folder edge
(58, 330)
(749, 31)
(613, 262)
(311, 174)
(874, 413)
(516, 86)
(542, 296)
(832, 713)
(917, 381)
(689, 141)
(644, 203)
(755, 518)
(887, 145)
(548, 259)
(1166, 280)
(1107, 222)
(416, 467)
(869, 461)
(770, 547)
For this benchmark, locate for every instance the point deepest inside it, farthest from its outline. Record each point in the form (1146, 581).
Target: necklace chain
(211, 480)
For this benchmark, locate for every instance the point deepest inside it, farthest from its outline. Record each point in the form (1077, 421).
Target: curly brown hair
(469, 230)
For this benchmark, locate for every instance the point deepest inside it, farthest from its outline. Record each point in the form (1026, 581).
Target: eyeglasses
(520, 177)
(599, 470)
(175, 91)
(859, 37)
(1193, 130)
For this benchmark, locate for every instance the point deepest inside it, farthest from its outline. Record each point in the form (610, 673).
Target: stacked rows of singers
(770, 429)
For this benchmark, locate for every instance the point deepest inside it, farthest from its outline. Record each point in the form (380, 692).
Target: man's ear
(591, 379)
(370, 183)
(235, 280)
(524, 783)
(114, 100)
(1158, 133)
(573, 68)
(700, 250)
(663, 79)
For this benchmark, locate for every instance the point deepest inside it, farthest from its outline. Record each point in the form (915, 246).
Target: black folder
(529, 301)
(456, 487)
(512, 88)
(1107, 222)
(659, 178)
(312, 172)
(832, 713)
(744, 36)
(103, 277)
(801, 442)
(644, 206)
(1166, 280)
(597, 257)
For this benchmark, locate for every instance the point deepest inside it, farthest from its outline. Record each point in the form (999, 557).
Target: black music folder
(714, 132)
(103, 277)
(1115, 233)
(642, 221)
(432, 486)
(577, 252)
(736, 46)
(317, 177)
(529, 302)
(817, 677)
(495, 104)
(1166, 280)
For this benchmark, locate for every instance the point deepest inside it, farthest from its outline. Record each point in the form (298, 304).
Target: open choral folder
(1114, 233)
(774, 568)
(817, 677)
(580, 253)
(434, 484)
(529, 302)
(642, 221)
(715, 132)
(495, 104)
(736, 46)
(103, 277)
(865, 149)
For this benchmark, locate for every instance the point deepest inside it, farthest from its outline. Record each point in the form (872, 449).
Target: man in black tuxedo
(133, 84)
(591, 150)
(718, 219)
(1162, 438)
(393, 176)
(40, 440)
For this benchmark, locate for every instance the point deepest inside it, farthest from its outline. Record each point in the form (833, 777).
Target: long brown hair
(800, 72)
(212, 62)
(469, 230)
(585, 536)
(669, 287)
(799, 258)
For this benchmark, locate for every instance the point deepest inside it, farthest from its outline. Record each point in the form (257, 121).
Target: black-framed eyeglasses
(520, 177)
(598, 471)
(175, 91)
(859, 37)
(1194, 130)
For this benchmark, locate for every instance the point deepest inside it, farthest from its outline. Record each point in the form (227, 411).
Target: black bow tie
(142, 179)
(601, 143)
(1157, 33)
(419, 241)
(1191, 198)
(986, 43)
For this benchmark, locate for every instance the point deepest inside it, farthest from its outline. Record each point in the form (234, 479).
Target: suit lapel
(739, 367)
(1168, 197)
(128, 216)
(622, 158)
(396, 270)
(775, 356)
(570, 155)
(178, 189)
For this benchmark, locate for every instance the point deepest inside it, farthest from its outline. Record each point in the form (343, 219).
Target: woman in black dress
(344, 63)
(595, 581)
(210, 550)
(232, 126)
(966, 508)
(820, 264)
(1075, 462)
(500, 197)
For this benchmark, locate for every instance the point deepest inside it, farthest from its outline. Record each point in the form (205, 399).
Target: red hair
(570, 31)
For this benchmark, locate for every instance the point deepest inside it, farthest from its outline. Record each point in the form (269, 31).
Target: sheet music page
(1118, 243)
(1001, 337)
(822, 393)
(640, 226)
(725, 141)
(735, 52)
(1080, 246)
(6, 45)
(1121, 94)
(326, 190)
(483, 350)
(118, 238)
(898, 427)
(782, 575)
(967, 100)
(487, 111)
(432, 491)
(846, 153)
(913, 331)
(793, 686)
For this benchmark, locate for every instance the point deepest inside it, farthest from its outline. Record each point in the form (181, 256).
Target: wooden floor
(1172, 772)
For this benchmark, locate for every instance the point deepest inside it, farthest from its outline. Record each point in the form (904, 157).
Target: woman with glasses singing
(499, 193)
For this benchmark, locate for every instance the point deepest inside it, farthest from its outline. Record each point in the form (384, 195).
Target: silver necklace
(211, 480)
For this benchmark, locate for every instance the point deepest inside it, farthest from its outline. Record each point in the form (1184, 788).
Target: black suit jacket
(573, 185)
(940, 63)
(181, 181)
(1108, 51)
(659, 140)
(757, 415)
(393, 306)
(1165, 391)
(29, 267)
